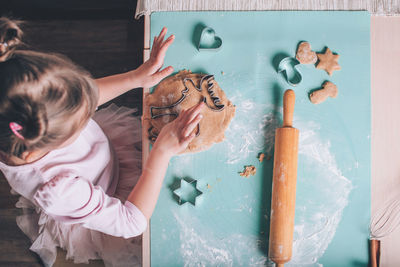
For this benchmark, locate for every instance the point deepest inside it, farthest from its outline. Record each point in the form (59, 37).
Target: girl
(75, 167)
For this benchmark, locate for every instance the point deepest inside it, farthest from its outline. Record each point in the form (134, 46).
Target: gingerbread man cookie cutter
(156, 112)
(288, 69)
(208, 40)
(187, 192)
(209, 79)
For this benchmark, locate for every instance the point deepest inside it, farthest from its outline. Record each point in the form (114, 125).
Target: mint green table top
(230, 223)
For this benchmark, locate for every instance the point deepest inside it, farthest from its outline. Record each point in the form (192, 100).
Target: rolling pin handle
(288, 107)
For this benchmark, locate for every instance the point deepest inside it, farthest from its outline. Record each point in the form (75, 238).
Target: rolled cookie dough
(183, 91)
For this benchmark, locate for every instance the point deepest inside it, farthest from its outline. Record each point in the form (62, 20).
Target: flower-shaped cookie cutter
(187, 191)
(208, 40)
(288, 68)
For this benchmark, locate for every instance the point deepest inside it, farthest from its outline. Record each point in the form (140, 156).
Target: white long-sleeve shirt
(74, 184)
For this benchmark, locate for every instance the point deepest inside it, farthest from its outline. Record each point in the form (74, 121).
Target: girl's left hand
(150, 72)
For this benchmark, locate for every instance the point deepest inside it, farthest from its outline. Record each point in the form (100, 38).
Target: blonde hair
(41, 93)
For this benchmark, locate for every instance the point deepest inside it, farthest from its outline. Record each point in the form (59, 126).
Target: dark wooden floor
(100, 35)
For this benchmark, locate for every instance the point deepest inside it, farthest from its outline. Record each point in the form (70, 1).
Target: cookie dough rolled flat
(181, 92)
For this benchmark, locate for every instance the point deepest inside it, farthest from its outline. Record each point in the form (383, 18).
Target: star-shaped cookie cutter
(288, 68)
(187, 191)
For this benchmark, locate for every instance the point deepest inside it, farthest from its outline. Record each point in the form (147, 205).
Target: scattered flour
(245, 139)
(207, 250)
(320, 202)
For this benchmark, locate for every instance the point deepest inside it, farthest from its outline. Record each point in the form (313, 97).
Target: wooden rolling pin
(284, 185)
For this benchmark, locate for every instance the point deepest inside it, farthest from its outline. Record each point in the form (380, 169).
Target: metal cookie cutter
(157, 112)
(209, 41)
(187, 191)
(288, 68)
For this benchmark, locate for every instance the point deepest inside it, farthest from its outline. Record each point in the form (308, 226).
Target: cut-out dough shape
(305, 55)
(288, 68)
(328, 62)
(248, 170)
(209, 40)
(183, 91)
(328, 90)
(187, 191)
(261, 157)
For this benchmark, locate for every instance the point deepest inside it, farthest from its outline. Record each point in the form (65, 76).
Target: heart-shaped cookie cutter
(209, 41)
(187, 191)
(288, 68)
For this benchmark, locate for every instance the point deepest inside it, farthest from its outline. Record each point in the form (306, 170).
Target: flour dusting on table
(243, 138)
(324, 190)
(207, 250)
(321, 198)
(322, 193)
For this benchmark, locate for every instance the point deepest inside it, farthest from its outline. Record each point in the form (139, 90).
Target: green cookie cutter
(187, 191)
(209, 41)
(288, 68)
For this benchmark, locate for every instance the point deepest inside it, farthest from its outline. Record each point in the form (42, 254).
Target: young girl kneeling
(78, 168)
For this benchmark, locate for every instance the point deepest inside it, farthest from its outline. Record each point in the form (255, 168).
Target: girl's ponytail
(40, 96)
(33, 118)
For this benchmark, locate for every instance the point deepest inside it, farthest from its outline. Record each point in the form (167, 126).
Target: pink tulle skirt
(82, 244)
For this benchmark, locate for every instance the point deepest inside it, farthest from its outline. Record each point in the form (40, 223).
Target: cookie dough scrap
(209, 187)
(328, 62)
(305, 55)
(248, 170)
(329, 89)
(182, 91)
(261, 157)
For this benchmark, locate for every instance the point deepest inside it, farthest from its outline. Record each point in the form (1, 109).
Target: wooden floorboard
(101, 36)
(71, 9)
(103, 47)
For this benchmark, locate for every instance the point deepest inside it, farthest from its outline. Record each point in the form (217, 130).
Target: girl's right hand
(176, 135)
(150, 72)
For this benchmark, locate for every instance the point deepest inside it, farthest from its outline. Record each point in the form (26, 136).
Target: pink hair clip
(15, 127)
